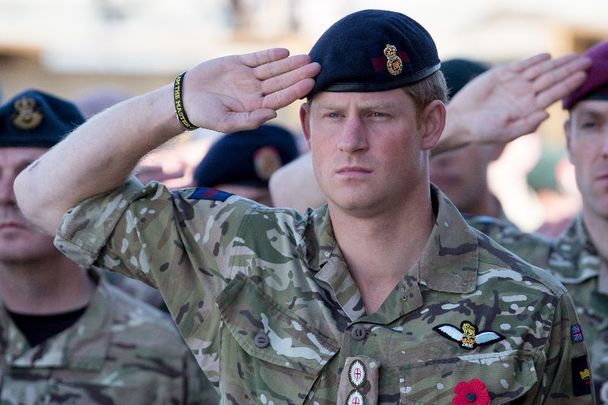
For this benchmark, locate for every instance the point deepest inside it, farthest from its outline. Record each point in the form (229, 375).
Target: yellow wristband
(179, 105)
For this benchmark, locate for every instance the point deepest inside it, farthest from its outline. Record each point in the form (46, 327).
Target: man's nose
(353, 136)
(604, 146)
(7, 195)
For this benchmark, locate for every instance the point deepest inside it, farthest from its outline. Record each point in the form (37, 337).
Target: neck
(380, 250)
(597, 227)
(486, 205)
(51, 286)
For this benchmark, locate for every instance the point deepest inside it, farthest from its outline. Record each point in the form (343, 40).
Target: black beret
(373, 50)
(246, 157)
(34, 118)
(458, 72)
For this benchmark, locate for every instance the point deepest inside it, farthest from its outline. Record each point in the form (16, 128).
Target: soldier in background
(241, 163)
(462, 174)
(579, 257)
(66, 335)
(385, 294)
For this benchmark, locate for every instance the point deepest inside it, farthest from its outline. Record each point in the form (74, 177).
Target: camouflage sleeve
(144, 231)
(567, 377)
(182, 242)
(199, 389)
(86, 227)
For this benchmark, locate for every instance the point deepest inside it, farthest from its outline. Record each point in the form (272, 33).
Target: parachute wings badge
(467, 335)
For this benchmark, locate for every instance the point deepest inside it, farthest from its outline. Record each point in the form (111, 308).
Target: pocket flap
(506, 375)
(248, 311)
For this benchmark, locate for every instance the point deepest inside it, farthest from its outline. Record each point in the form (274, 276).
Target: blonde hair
(432, 87)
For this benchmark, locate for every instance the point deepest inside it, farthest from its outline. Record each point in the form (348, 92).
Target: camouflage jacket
(577, 264)
(574, 260)
(534, 248)
(266, 302)
(120, 351)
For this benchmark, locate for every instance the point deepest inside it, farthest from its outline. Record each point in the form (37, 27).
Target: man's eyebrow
(373, 105)
(590, 113)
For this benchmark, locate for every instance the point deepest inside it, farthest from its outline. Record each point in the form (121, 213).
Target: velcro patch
(206, 193)
(581, 376)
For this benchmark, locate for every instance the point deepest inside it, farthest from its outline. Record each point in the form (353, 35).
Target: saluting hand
(509, 101)
(244, 91)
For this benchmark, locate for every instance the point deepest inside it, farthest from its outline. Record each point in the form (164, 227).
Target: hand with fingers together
(243, 91)
(509, 101)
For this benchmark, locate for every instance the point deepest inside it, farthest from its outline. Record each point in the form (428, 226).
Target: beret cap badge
(394, 64)
(266, 161)
(26, 114)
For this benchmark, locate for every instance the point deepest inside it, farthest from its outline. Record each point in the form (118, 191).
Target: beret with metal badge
(37, 119)
(373, 50)
(246, 158)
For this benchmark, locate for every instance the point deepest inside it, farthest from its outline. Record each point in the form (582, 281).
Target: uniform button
(261, 340)
(358, 332)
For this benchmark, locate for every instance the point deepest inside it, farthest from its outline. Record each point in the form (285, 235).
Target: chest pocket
(277, 355)
(505, 375)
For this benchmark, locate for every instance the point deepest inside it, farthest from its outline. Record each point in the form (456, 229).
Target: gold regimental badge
(394, 64)
(266, 161)
(26, 115)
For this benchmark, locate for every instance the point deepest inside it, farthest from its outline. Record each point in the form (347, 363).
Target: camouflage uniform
(534, 248)
(578, 265)
(119, 352)
(575, 261)
(265, 300)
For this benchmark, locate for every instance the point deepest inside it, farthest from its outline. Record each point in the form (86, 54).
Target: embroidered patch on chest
(356, 398)
(467, 335)
(357, 373)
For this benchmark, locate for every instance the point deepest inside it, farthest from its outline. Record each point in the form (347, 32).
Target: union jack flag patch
(576, 333)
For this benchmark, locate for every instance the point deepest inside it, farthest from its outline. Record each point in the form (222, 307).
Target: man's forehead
(16, 155)
(388, 98)
(597, 107)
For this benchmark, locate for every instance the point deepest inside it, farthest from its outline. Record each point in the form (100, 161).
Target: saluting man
(384, 295)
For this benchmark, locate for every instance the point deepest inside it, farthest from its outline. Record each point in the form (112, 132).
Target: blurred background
(98, 52)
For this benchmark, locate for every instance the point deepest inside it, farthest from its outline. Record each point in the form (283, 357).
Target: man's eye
(378, 114)
(588, 124)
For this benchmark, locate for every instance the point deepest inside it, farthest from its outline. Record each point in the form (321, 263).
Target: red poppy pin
(472, 392)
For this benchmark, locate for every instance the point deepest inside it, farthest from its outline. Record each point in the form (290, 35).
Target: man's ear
(305, 122)
(432, 123)
(568, 132)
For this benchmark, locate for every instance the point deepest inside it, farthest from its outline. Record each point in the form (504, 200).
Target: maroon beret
(597, 77)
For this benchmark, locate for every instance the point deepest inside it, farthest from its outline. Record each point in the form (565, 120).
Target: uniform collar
(450, 259)
(574, 257)
(449, 262)
(82, 346)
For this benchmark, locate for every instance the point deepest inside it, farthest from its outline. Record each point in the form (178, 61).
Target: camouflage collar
(318, 243)
(70, 348)
(574, 257)
(449, 261)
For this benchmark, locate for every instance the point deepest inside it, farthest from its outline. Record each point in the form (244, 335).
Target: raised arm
(509, 101)
(225, 94)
